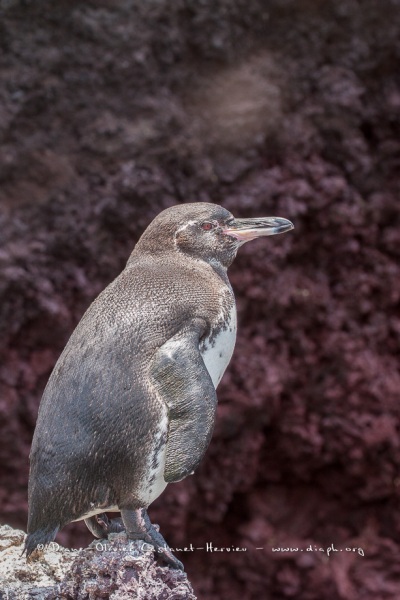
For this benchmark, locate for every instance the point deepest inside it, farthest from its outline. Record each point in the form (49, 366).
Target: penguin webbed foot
(101, 526)
(139, 527)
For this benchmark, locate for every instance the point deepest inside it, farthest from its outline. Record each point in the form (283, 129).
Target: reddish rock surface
(116, 569)
(111, 111)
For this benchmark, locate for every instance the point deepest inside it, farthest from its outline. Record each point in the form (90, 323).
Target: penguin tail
(37, 540)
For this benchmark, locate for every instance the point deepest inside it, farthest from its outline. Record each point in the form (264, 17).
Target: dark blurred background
(111, 111)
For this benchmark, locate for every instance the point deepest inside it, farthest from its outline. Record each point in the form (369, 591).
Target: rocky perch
(114, 569)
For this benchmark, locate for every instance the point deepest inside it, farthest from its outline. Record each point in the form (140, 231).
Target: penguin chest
(217, 350)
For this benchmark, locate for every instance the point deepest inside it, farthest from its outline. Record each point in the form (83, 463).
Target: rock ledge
(114, 569)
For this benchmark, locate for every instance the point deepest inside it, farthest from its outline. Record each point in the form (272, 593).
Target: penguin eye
(207, 226)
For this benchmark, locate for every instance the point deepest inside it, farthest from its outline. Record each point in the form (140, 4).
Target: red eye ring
(207, 226)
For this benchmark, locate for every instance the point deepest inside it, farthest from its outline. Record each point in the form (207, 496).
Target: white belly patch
(218, 352)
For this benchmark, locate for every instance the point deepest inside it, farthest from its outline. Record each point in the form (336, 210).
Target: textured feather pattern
(121, 415)
(100, 422)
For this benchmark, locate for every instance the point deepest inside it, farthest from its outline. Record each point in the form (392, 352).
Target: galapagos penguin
(130, 404)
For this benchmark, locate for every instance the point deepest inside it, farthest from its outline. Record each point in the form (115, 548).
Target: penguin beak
(245, 230)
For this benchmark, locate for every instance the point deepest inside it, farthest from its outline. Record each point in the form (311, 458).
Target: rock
(114, 569)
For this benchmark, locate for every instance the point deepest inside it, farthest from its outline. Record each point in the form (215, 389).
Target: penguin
(130, 405)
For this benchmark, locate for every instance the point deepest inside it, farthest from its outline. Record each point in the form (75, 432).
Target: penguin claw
(138, 526)
(162, 551)
(101, 526)
(115, 525)
(171, 560)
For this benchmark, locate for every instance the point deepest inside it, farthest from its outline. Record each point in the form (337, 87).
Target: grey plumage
(130, 405)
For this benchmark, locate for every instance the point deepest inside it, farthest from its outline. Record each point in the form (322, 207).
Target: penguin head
(206, 231)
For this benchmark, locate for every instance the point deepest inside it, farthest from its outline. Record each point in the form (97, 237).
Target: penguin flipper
(184, 384)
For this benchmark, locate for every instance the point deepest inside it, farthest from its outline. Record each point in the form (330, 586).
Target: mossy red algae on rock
(112, 111)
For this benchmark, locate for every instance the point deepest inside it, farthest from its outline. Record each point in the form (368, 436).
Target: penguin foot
(100, 525)
(139, 527)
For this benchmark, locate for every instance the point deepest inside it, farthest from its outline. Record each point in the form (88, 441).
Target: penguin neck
(215, 265)
(157, 254)
(220, 269)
